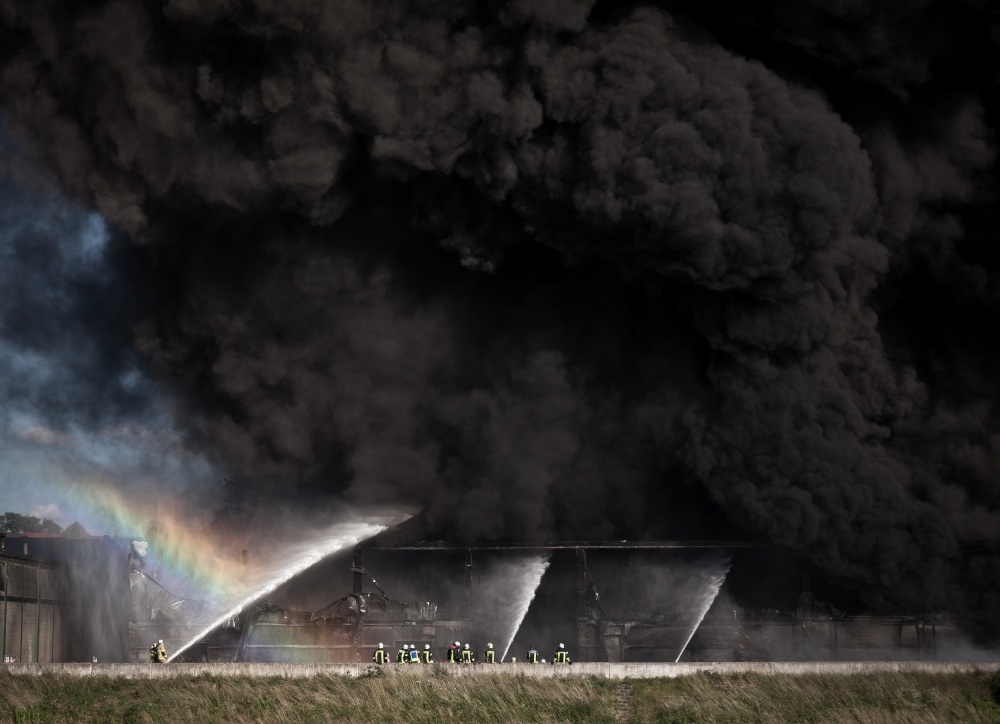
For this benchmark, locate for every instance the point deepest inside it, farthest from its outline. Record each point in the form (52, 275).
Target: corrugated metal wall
(32, 620)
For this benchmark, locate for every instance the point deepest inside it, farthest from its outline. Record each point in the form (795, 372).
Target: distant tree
(16, 522)
(75, 530)
(12, 522)
(49, 526)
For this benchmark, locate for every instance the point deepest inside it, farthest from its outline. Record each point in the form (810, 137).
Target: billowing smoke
(556, 269)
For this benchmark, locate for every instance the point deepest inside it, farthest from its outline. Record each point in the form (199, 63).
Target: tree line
(18, 523)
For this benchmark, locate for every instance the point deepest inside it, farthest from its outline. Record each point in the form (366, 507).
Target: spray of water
(296, 559)
(713, 582)
(522, 593)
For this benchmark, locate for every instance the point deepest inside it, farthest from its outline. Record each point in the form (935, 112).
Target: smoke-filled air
(555, 270)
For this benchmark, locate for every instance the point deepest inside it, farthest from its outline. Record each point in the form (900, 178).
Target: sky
(561, 269)
(74, 413)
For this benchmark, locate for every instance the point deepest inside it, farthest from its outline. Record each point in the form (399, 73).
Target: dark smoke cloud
(556, 269)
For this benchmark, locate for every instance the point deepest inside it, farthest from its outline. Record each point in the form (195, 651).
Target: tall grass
(205, 699)
(503, 698)
(879, 697)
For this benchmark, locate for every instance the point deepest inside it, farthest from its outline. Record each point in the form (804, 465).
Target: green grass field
(491, 698)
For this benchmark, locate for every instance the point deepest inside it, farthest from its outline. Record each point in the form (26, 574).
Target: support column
(38, 609)
(581, 583)
(5, 586)
(357, 570)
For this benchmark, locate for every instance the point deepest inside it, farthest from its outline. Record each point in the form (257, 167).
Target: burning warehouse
(569, 270)
(75, 600)
(615, 602)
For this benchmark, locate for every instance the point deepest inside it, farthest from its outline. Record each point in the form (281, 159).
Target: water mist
(713, 580)
(515, 584)
(295, 559)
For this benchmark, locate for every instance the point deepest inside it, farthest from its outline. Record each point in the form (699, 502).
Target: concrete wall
(610, 671)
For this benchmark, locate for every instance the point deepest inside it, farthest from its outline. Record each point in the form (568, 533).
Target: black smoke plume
(560, 268)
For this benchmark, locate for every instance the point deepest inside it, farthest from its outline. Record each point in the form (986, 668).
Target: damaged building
(340, 632)
(95, 598)
(348, 629)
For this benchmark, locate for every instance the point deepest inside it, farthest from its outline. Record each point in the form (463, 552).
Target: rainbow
(187, 557)
(184, 554)
(193, 563)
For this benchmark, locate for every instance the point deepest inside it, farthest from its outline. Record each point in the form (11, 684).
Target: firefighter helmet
(427, 647)
(456, 643)
(489, 646)
(406, 647)
(467, 646)
(381, 645)
(562, 646)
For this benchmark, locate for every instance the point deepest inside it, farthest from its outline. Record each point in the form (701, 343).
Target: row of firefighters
(457, 654)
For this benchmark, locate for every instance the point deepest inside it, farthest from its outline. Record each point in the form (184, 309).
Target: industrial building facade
(350, 628)
(70, 600)
(64, 599)
(32, 611)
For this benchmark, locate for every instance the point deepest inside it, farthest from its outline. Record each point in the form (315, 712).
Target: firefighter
(152, 653)
(490, 657)
(561, 656)
(161, 652)
(414, 654)
(467, 656)
(401, 656)
(453, 655)
(532, 654)
(426, 657)
(379, 656)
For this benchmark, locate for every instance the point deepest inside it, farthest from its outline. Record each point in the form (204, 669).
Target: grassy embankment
(489, 698)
